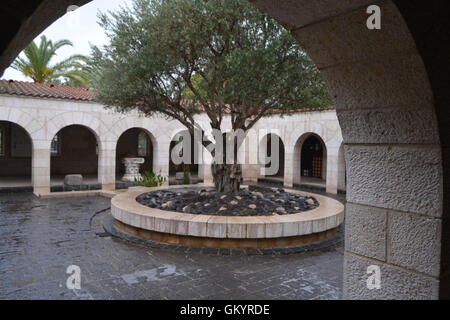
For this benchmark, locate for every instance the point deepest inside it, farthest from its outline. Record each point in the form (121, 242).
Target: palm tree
(37, 63)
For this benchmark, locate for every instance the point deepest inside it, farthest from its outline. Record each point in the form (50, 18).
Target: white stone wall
(42, 118)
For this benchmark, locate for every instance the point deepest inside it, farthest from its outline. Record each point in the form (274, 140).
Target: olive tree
(224, 58)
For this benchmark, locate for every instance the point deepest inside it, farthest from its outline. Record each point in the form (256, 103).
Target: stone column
(199, 161)
(249, 154)
(161, 156)
(295, 164)
(206, 167)
(289, 167)
(41, 167)
(201, 170)
(107, 165)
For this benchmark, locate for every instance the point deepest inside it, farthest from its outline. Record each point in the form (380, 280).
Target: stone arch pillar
(386, 110)
(205, 170)
(161, 154)
(249, 153)
(290, 165)
(107, 163)
(40, 172)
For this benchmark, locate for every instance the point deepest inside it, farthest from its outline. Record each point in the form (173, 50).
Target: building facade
(48, 131)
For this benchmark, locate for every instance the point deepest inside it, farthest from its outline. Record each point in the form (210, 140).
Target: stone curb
(328, 244)
(125, 209)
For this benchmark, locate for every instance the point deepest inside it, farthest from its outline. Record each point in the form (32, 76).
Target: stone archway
(85, 119)
(135, 142)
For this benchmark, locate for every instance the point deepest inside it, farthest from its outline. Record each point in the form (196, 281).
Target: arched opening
(74, 150)
(15, 157)
(179, 171)
(272, 149)
(313, 159)
(134, 143)
(310, 162)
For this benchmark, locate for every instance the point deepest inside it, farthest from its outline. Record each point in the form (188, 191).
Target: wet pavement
(40, 239)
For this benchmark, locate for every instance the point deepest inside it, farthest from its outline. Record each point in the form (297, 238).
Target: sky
(80, 27)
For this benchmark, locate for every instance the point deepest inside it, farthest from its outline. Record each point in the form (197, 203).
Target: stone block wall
(385, 107)
(91, 135)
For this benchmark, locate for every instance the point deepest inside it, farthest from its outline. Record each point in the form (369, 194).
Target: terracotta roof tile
(45, 90)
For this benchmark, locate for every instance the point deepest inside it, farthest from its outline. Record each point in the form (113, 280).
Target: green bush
(150, 179)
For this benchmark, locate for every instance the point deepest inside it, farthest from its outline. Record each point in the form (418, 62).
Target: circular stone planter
(225, 232)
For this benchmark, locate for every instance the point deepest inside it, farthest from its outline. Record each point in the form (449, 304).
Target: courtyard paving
(40, 239)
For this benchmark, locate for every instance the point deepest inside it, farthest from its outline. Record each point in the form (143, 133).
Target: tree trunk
(227, 177)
